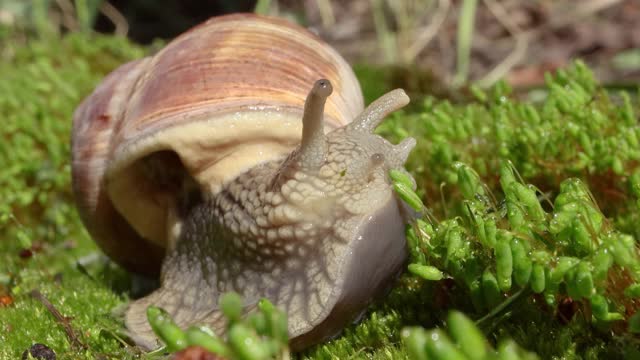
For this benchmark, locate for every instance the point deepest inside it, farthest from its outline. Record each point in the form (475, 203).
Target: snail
(240, 158)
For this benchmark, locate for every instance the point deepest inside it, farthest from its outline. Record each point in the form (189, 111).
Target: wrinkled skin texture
(319, 235)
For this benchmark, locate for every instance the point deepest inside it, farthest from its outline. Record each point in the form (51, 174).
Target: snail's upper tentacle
(375, 113)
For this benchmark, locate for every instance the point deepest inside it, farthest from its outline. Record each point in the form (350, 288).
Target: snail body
(191, 163)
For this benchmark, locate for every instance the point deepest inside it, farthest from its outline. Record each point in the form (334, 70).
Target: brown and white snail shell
(225, 164)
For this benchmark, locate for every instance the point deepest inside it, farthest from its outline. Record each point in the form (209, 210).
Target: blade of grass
(465, 33)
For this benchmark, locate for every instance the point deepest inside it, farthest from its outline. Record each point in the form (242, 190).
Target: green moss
(523, 190)
(86, 302)
(487, 218)
(41, 82)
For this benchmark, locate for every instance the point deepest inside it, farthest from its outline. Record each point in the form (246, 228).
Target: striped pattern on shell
(224, 97)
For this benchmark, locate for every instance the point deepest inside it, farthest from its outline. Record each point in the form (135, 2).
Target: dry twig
(426, 34)
(68, 14)
(118, 20)
(62, 320)
(519, 51)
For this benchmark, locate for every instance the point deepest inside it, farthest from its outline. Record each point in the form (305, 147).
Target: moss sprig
(567, 251)
(525, 245)
(577, 130)
(463, 341)
(261, 335)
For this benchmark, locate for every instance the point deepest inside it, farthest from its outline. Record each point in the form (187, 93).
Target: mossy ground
(577, 130)
(41, 82)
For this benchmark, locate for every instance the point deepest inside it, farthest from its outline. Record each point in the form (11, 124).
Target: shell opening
(145, 191)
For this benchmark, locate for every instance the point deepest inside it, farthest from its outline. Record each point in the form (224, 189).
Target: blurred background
(441, 42)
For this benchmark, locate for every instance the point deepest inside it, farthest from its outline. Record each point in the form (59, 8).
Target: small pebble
(196, 353)
(5, 300)
(40, 352)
